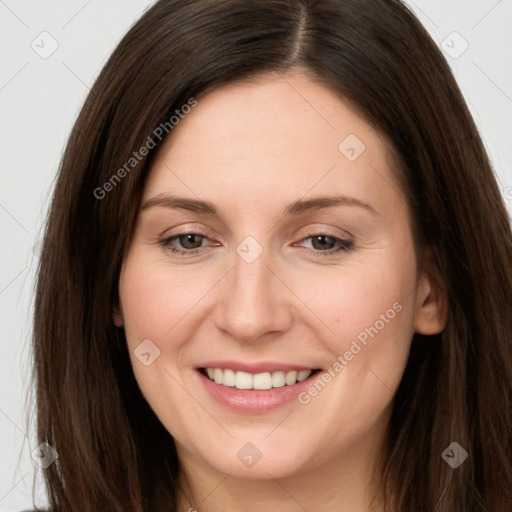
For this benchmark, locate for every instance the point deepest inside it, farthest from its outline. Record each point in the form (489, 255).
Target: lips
(254, 388)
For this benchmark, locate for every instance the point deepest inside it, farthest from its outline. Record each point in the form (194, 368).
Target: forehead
(279, 135)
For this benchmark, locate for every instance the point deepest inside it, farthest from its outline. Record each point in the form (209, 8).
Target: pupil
(323, 238)
(188, 239)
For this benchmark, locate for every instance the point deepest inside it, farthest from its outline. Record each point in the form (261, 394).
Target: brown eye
(190, 240)
(323, 242)
(184, 243)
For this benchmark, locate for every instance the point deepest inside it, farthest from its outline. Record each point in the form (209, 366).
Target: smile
(258, 381)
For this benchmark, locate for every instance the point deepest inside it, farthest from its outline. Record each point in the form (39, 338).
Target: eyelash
(343, 245)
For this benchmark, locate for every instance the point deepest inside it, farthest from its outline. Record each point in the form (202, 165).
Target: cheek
(359, 300)
(367, 314)
(370, 309)
(158, 305)
(157, 300)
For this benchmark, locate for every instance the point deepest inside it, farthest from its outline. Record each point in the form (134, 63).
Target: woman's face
(303, 260)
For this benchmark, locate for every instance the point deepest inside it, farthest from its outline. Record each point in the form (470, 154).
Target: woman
(276, 272)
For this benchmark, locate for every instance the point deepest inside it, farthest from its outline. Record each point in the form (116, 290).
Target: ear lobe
(432, 304)
(117, 316)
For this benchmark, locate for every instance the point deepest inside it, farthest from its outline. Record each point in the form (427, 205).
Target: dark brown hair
(114, 454)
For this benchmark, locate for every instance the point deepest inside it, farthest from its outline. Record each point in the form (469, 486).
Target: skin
(252, 148)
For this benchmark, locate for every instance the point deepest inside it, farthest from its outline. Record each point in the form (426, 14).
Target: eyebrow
(295, 208)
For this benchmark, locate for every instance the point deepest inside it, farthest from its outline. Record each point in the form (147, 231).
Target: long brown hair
(114, 454)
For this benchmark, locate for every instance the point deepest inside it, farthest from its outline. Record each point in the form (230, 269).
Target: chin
(259, 459)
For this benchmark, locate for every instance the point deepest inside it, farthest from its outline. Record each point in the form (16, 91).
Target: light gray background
(39, 101)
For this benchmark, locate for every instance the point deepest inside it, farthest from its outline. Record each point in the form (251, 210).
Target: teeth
(228, 378)
(278, 379)
(290, 378)
(262, 381)
(258, 381)
(303, 375)
(242, 380)
(217, 375)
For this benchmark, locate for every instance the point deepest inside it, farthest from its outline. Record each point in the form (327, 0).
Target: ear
(117, 316)
(432, 303)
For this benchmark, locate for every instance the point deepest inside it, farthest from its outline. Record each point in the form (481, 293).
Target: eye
(191, 243)
(325, 244)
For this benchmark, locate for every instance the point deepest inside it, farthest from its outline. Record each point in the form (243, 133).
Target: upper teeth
(260, 381)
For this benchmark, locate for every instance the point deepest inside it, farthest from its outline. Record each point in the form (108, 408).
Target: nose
(254, 302)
